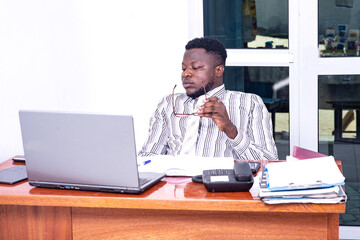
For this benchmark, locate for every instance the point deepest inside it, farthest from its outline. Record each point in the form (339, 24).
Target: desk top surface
(172, 193)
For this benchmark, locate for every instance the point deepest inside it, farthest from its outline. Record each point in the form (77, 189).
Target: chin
(191, 96)
(195, 94)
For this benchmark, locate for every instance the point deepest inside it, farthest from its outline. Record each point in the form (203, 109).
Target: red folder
(302, 153)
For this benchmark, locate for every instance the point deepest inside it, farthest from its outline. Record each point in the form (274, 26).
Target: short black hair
(211, 45)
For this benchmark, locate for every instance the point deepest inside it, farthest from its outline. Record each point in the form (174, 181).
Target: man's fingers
(211, 99)
(212, 109)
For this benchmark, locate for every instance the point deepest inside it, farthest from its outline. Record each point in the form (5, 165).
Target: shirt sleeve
(255, 140)
(156, 142)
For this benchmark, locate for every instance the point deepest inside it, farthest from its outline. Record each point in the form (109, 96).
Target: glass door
(339, 95)
(245, 26)
(339, 134)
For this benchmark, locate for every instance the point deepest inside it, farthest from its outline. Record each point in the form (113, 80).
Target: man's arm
(156, 142)
(253, 140)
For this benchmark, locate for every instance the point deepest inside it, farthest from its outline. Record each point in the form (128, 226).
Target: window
(339, 28)
(247, 23)
(263, 24)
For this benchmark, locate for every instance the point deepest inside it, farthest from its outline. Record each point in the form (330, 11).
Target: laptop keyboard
(144, 180)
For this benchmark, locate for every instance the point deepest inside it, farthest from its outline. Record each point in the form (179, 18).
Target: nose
(187, 73)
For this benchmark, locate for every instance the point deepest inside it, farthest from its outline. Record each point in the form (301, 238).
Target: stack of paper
(316, 180)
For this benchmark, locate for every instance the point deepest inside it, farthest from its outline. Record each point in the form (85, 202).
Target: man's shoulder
(177, 96)
(241, 94)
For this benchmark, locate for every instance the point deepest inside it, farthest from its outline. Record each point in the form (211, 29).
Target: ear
(219, 70)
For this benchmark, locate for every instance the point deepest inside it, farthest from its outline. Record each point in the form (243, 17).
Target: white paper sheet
(183, 165)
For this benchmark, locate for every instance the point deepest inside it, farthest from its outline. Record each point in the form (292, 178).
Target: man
(208, 120)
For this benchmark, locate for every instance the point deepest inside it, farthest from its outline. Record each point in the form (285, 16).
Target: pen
(145, 162)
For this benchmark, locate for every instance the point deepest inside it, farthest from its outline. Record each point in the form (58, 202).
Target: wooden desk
(176, 208)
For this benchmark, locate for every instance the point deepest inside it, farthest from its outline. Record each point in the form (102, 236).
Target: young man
(208, 120)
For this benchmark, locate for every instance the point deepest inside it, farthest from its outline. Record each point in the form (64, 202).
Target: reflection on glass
(339, 134)
(247, 23)
(272, 85)
(339, 27)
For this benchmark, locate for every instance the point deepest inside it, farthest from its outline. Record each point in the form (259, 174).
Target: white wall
(107, 56)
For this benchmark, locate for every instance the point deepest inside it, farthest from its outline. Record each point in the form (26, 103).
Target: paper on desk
(314, 193)
(291, 158)
(309, 173)
(303, 200)
(340, 197)
(183, 165)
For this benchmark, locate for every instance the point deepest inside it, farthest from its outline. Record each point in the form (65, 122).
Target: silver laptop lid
(79, 148)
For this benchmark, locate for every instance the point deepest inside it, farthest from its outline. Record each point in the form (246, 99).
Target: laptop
(81, 151)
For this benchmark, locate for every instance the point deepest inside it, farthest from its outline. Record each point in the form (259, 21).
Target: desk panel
(35, 222)
(162, 224)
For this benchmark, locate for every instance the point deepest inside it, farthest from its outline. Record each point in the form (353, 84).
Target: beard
(201, 91)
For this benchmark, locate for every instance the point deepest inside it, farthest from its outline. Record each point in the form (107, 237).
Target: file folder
(305, 174)
(330, 195)
(302, 153)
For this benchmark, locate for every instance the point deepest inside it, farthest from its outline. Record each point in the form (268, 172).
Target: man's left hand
(216, 110)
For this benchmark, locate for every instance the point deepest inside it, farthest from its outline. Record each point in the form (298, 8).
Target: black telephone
(239, 179)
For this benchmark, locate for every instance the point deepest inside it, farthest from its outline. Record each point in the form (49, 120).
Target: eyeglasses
(182, 114)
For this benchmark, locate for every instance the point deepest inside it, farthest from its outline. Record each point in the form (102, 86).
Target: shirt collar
(214, 92)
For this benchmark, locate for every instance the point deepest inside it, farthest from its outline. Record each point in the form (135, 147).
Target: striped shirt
(246, 111)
